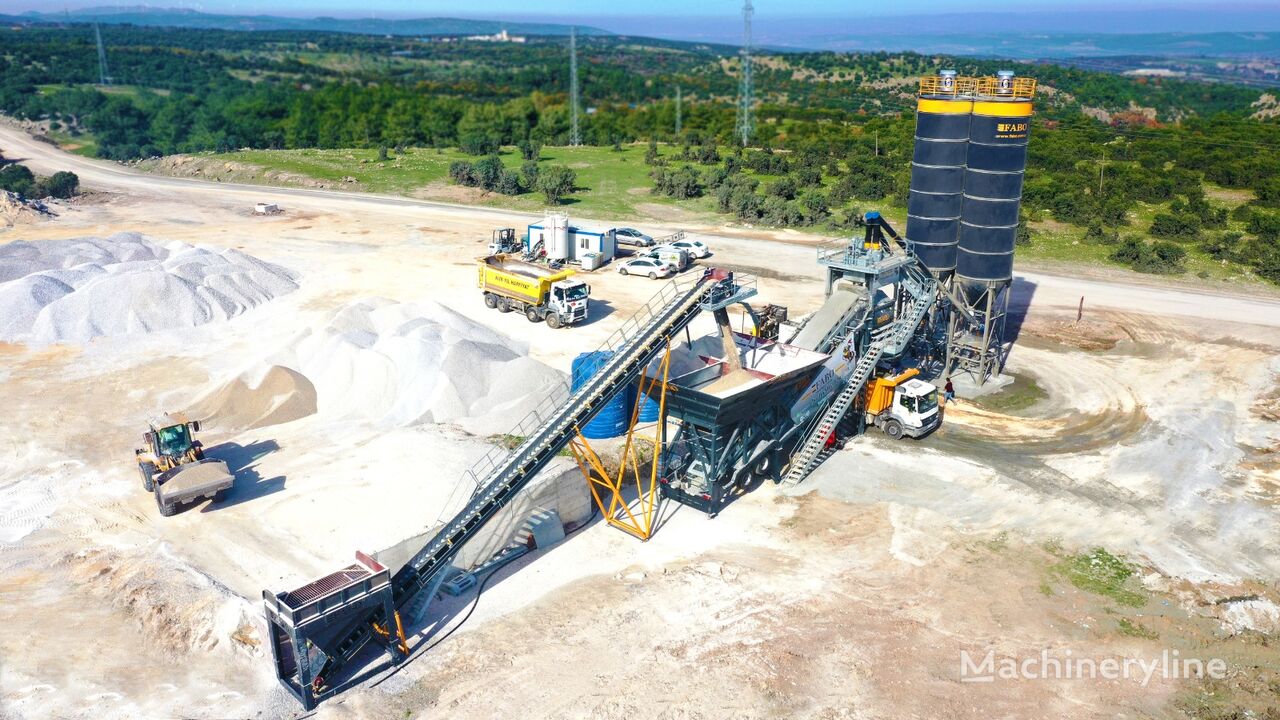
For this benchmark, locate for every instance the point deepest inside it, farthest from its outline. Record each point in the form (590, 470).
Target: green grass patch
(1101, 573)
(82, 144)
(1021, 394)
(1133, 629)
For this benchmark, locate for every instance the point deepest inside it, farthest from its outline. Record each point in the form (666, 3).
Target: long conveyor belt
(670, 312)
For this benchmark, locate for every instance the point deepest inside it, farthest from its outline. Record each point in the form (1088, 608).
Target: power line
(744, 88)
(575, 135)
(678, 110)
(104, 77)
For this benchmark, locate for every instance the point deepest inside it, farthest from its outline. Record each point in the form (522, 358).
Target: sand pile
(16, 211)
(408, 363)
(75, 290)
(252, 400)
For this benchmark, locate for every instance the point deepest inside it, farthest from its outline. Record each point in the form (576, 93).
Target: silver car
(632, 236)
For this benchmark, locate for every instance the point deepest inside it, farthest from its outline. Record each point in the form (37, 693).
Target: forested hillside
(1160, 175)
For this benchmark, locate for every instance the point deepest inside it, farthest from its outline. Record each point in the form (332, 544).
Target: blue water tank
(613, 418)
(649, 408)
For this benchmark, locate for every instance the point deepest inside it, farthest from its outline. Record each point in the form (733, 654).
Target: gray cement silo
(995, 163)
(938, 170)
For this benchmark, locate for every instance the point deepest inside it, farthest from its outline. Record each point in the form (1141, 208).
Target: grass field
(610, 183)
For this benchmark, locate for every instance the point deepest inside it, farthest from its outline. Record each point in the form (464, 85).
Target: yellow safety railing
(938, 85)
(1018, 87)
(1023, 88)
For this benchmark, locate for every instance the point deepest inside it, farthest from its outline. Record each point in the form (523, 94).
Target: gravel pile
(409, 363)
(68, 291)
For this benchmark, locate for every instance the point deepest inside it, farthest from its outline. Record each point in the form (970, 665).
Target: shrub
(509, 183)
(478, 144)
(529, 173)
(62, 184)
(1162, 257)
(680, 184)
(784, 188)
(17, 178)
(488, 171)
(814, 207)
(1022, 236)
(1176, 226)
(530, 149)
(462, 173)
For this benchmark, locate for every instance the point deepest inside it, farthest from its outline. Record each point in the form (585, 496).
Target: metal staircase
(803, 460)
(500, 475)
(887, 342)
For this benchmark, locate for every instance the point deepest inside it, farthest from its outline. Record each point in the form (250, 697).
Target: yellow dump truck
(902, 405)
(537, 291)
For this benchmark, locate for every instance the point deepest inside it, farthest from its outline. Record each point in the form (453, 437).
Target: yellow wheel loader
(173, 465)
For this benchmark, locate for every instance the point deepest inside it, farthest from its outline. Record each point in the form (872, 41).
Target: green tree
(555, 182)
(488, 171)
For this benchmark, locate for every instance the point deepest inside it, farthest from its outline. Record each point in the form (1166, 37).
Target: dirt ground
(1149, 429)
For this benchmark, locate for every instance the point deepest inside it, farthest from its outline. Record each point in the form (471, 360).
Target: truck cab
(903, 405)
(569, 300)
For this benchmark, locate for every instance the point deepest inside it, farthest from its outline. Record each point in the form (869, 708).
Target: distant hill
(175, 17)
(1064, 45)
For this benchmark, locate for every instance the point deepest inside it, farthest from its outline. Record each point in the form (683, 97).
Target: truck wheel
(504, 305)
(532, 313)
(490, 300)
(166, 509)
(148, 472)
(893, 429)
(553, 321)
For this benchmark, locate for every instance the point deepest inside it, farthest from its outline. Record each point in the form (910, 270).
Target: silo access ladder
(498, 478)
(885, 342)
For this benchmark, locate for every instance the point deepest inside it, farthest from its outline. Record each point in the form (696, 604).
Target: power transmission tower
(678, 110)
(575, 135)
(744, 89)
(104, 78)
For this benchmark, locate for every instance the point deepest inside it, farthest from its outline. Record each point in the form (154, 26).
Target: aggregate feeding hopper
(734, 414)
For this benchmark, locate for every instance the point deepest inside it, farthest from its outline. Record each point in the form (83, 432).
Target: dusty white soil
(850, 596)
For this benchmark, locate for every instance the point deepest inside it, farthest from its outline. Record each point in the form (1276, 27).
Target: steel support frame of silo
(988, 357)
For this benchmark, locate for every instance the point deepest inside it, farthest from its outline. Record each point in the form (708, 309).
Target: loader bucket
(193, 481)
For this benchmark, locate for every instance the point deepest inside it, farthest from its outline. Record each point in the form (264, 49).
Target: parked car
(695, 248)
(649, 267)
(632, 236)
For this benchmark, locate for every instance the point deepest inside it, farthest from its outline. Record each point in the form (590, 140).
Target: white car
(649, 267)
(695, 248)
